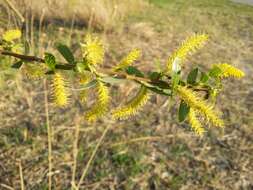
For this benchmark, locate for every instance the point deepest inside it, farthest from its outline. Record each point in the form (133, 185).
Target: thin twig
(75, 152)
(21, 175)
(85, 171)
(6, 186)
(106, 71)
(141, 139)
(49, 137)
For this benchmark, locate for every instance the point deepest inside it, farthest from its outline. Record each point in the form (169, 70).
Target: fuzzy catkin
(93, 50)
(129, 59)
(229, 71)
(11, 35)
(60, 91)
(195, 123)
(189, 46)
(133, 106)
(101, 106)
(200, 105)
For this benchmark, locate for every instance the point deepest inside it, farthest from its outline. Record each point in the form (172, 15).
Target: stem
(141, 139)
(22, 57)
(49, 137)
(75, 152)
(85, 171)
(107, 71)
(21, 175)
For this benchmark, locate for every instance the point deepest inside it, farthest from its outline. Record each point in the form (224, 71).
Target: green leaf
(204, 77)
(17, 65)
(175, 80)
(215, 72)
(155, 75)
(112, 80)
(81, 67)
(192, 77)
(50, 73)
(176, 70)
(50, 61)
(166, 92)
(89, 85)
(66, 53)
(183, 111)
(134, 71)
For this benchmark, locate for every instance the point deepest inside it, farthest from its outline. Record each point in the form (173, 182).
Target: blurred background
(152, 150)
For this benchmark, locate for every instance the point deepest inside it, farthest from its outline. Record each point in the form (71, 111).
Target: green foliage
(50, 61)
(183, 111)
(168, 81)
(17, 65)
(192, 77)
(66, 53)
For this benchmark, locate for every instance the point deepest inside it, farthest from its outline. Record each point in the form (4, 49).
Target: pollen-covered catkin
(11, 35)
(93, 50)
(229, 71)
(133, 106)
(101, 106)
(200, 105)
(189, 46)
(129, 59)
(60, 91)
(33, 71)
(195, 123)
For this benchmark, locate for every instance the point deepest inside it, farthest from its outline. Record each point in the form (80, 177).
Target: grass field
(152, 150)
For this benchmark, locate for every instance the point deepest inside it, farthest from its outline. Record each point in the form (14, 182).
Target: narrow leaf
(215, 72)
(89, 85)
(192, 77)
(155, 75)
(134, 71)
(50, 61)
(17, 65)
(112, 80)
(204, 77)
(66, 53)
(183, 111)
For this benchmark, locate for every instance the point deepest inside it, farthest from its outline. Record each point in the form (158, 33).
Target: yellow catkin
(200, 105)
(101, 106)
(11, 35)
(195, 123)
(133, 106)
(229, 71)
(93, 50)
(129, 59)
(189, 46)
(33, 71)
(60, 91)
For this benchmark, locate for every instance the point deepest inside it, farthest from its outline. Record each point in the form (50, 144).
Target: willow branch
(107, 71)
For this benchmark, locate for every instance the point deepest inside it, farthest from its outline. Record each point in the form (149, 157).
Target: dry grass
(100, 14)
